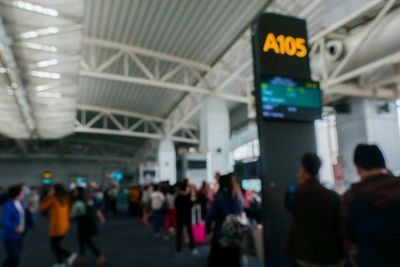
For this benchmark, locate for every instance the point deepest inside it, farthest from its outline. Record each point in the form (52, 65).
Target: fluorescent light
(44, 74)
(29, 35)
(37, 33)
(49, 94)
(47, 48)
(35, 8)
(42, 87)
(46, 63)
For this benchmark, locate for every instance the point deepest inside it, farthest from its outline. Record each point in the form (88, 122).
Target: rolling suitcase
(198, 226)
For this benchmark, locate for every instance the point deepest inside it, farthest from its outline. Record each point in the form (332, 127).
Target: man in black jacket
(371, 211)
(314, 237)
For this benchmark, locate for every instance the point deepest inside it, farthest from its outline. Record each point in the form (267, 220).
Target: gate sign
(282, 72)
(287, 103)
(282, 46)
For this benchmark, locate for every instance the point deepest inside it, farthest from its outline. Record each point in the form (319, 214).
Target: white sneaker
(195, 252)
(71, 259)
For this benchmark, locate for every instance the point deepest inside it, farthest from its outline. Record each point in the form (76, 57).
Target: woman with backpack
(58, 202)
(86, 214)
(228, 201)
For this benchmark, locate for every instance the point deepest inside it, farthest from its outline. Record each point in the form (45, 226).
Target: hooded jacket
(371, 220)
(314, 234)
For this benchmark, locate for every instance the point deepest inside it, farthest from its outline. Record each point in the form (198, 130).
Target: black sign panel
(287, 102)
(280, 47)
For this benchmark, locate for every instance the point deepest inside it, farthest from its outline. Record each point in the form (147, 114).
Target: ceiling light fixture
(46, 63)
(35, 8)
(44, 74)
(37, 33)
(47, 48)
(49, 94)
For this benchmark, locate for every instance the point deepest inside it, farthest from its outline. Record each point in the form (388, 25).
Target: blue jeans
(158, 221)
(13, 249)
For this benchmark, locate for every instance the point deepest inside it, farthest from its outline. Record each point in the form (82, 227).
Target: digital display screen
(252, 184)
(114, 175)
(197, 164)
(290, 99)
(47, 181)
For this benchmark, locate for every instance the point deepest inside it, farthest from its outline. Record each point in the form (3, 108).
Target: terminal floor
(123, 240)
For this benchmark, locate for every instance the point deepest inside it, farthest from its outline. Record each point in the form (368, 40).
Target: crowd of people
(21, 207)
(359, 228)
(181, 207)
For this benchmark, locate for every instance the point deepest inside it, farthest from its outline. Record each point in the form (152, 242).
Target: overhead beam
(129, 114)
(81, 129)
(339, 24)
(351, 89)
(163, 84)
(388, 60)
(124, 123)
(190, 105)
(145, 52)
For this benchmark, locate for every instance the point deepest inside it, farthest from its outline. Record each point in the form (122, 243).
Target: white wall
(364, 124)
(167, 161)
(215, 135)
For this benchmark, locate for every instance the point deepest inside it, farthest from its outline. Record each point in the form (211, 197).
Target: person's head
(368, 159)
(15, 192)
(158, 188)
(204, 186)
(310, 164)
(60, 192)
(228, 182)
(23, 186)
(34, 189)
(217, 176)
(79, 193)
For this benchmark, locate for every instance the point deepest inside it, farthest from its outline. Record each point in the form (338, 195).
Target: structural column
(215, 136)
(167, 161)
(368, 121)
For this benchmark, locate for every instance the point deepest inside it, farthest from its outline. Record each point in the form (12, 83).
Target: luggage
(198, 226)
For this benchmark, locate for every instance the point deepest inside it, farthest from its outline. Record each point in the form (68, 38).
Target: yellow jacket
(59, 215)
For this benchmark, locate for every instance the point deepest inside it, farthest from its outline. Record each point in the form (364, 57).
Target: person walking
(13, 226)
(183, 204)
(32, 201)
(203, 199)
(58, 203)
(170, 216)
(157, 202)
(146, 205)
(227, 201)
(314, 238)
(86, 214)
(371, 211)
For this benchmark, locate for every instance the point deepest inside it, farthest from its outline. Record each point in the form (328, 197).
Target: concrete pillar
(167, 161)
(215, 136)
(368, 121)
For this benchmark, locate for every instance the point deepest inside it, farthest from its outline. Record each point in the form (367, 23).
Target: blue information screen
(290, 99)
